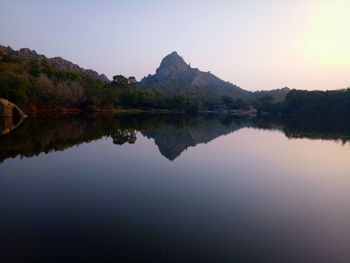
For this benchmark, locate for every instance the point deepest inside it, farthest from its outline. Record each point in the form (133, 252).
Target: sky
(255, 44)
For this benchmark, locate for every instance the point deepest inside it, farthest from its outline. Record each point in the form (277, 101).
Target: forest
(303, 104)
(34, 83)
(29, 82)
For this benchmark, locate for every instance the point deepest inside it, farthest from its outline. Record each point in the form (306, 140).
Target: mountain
(62, 64)
(173, 67)
(38, 84)
(175, 76)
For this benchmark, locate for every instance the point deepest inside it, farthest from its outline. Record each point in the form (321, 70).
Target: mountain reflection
(172, 141)
(173, 134)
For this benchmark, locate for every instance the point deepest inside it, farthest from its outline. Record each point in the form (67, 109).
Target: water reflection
(252, 195)
(173, 134)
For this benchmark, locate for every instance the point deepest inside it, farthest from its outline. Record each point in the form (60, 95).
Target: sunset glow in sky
(303, 44)
(327, 35)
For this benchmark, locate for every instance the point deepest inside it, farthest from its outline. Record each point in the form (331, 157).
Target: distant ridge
(174, 76)
(62, 64)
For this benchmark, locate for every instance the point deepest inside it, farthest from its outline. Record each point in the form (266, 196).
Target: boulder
(11, 116)
(10, 110)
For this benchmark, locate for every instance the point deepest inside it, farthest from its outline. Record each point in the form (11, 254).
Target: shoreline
(47, 111)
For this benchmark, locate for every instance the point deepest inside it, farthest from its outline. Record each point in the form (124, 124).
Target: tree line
(305, 104)
(30, 82)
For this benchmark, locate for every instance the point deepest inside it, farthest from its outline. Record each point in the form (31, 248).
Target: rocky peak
(30, 53)
(174, 76)
(64, 64)
(173, 58)
(172, 66)
(6, 50)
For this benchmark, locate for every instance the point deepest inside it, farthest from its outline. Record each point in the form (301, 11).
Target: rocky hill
(62, 64)
(39, 84)
(175, 76)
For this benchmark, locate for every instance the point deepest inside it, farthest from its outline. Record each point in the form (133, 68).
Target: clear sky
(255, 44)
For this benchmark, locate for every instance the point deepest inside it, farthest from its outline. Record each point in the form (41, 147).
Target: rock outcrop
(174, 67)
(175, 76)
(64, 64)
(11, 116)
(10, 110)
(61, 63)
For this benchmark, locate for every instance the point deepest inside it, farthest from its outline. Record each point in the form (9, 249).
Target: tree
(132, 84)
(34, 68)
(120, 80)
(227, 101)
(122, 136)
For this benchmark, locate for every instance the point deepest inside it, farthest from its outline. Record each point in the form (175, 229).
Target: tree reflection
(124, 136)
(172, 134)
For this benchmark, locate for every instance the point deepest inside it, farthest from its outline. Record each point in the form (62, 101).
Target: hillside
(61, 64)
(175, 76)
(39, 84)
(33, 81)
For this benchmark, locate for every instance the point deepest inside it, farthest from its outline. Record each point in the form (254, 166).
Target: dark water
(174, 189)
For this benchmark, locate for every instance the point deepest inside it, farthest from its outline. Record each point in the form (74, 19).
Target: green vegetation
(30, 82)
(34, 82)
(318, 104)
(302, 104)
(234, 104)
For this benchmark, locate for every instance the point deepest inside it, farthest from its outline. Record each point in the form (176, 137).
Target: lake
(160, 188)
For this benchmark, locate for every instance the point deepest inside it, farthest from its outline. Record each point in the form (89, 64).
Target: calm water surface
(174, 189)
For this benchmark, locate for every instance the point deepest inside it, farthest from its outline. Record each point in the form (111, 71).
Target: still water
(174, 189)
